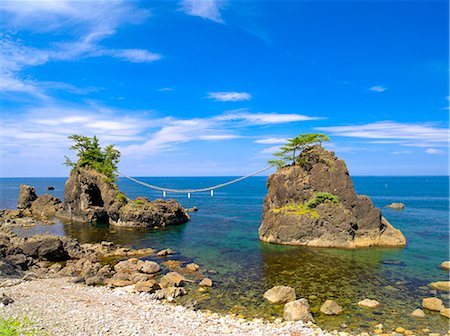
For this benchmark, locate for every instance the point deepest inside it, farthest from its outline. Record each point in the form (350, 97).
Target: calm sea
(223, 236)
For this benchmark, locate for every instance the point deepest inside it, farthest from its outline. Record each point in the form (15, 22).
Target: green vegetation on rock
(296, 210)
(91, 155)
(319, 198)
(121, 197)
(292, 149)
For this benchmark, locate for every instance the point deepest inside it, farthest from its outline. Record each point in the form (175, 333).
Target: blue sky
(203, 87)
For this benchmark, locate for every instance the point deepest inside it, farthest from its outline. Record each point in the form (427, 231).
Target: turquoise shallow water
(223, 236)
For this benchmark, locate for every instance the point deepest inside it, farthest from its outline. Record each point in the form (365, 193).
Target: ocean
(223, 237)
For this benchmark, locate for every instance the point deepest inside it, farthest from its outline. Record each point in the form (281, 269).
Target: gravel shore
(60, 307)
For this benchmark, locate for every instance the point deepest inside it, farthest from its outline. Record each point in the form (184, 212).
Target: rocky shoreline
(148, 278)
(84, 283)
(60, 307)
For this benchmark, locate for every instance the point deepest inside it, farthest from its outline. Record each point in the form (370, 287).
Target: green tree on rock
(292, 149)
(91, 155)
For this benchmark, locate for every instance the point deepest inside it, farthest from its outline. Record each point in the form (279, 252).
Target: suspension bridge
(191, 191)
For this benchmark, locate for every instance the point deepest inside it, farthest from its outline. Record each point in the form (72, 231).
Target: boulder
(445, 312)
(45, 247)
(368, 303)
(206, 282)
(280, 294)
(192, 267)
(441, 285)
(168, 293)
(5, 300)
(127, 266)
(418, 313)
(297, 310)
(45, 206)
(396, 206)
(148, 286)
(148, 267)
(350, 222)
(330, 307)
(445, 265)
(94, 281)
(117, 282)
(165, 252)
(7, 269)
(20, 260)
(172, 264)
(27, 195)
(171, 279)
(434, 304)
(159, 213)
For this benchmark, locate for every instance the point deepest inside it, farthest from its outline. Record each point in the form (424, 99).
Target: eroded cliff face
(351, 223)
(90, 197)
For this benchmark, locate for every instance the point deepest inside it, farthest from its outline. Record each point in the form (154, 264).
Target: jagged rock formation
(159, 213)
(27, 195)
(90, 197)
(350, 223)
(41, 207)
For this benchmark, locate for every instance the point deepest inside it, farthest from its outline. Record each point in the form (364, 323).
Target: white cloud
(393, 132)
(134, 55)
(378, 88)
(229, 96)
(166, 89)
(270, 141)
(206, 9)
(179, 131)
(433, 151)
(270, 150)
(401, 152)
(86, 23)
(264, 118)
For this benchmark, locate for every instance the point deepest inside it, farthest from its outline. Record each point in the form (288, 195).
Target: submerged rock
(441, 285)
(297, 310)
(206, 282)
(368, 303)
(350, 221)
(330, 307)
(280, 294)
(445, 265)
(165, 252)
(433, 304)
(445, 312)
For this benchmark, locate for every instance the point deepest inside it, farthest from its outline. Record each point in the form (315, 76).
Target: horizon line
(158, 176)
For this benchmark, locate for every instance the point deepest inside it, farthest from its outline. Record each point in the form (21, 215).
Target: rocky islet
(348, 220)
